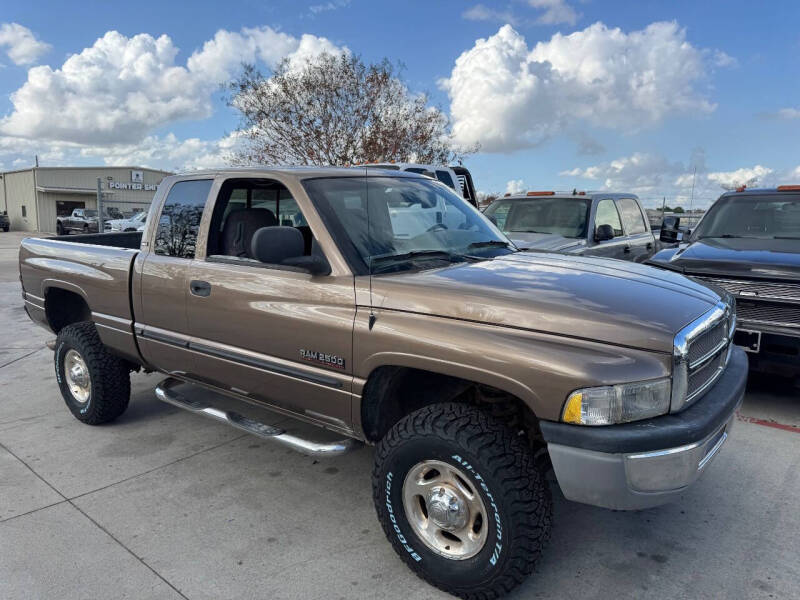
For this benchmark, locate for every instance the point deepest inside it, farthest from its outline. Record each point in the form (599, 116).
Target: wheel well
(393, 392)
(63, 307)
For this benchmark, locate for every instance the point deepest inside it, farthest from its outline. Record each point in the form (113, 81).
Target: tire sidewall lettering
(389, 507)
(494, 513)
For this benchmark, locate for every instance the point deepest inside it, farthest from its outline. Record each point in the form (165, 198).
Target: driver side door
(276, 336)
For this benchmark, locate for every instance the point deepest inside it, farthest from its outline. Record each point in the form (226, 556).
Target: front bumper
(646, 463)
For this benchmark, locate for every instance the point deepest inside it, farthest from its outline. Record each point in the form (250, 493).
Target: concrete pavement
(166, 504)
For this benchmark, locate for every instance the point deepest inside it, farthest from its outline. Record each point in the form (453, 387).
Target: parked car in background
(475, 362)
(82, 220)
(131, 224)
(748, 243)
(592, 224)
(5, 222)
(457, 178)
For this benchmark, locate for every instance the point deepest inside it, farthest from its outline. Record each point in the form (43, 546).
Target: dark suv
(585, 223)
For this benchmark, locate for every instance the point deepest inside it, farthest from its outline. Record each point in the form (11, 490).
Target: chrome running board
(166, 393)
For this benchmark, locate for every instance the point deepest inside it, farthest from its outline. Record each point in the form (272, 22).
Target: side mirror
(316, 265)
(603, 233)
(670, 229)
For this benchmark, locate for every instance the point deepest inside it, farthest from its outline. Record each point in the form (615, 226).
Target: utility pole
(691, 200)
(101, 227)
(36, 159)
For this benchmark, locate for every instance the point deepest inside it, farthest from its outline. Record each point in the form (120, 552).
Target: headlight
(618, 403)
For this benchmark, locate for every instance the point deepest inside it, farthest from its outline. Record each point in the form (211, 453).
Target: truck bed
(90, 271)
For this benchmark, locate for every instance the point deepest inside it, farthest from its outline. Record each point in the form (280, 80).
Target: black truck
(749, 244)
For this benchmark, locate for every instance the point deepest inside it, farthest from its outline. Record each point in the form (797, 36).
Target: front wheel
(95, 384)
(460, 499)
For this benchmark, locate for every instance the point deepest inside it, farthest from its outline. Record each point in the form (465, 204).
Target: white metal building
(34, 197)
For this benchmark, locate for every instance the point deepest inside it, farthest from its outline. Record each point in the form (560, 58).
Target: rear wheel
(95, 384)
(59, 228)
(460, 499)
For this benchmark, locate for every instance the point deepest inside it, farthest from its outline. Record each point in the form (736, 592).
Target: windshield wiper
(529, 231)
(382, 259)
(723, 236)
(489, 243)
(786, 237)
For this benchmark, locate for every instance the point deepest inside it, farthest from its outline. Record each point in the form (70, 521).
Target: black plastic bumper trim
(692, 425)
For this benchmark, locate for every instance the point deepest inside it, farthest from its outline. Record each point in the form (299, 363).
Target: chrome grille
(701, 354)
(764, 290)
(708, 342)
(782, 315)
(703, 376)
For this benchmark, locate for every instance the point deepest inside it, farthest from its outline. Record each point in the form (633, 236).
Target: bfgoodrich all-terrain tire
(95, 384)
(460, 499)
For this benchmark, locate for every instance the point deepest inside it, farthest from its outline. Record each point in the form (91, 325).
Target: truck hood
(605, 300)
(735, 257)
(545, 241)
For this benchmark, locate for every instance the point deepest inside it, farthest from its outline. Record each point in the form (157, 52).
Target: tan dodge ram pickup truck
(381, 305)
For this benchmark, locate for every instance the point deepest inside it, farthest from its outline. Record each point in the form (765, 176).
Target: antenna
(369, 240)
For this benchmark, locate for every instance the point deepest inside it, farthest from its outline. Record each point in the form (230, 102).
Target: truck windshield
(566, 217)
(773, 216)
(413, 222)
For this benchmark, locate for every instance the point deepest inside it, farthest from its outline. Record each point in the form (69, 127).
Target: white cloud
(748, 176)
(20, 44)
(162, 152)
(551, 12)
(515, 186)
(481, 12)
(723, 60)
(653, 177)
(315, 9)
(788, 113)
(120, 89)
(555, 12)
(640, 173)
(506, 96)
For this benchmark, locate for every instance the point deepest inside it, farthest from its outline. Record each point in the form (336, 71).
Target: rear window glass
(631, 216)
(180, 218)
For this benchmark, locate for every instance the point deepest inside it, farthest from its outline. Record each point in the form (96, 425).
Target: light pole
(101, 226)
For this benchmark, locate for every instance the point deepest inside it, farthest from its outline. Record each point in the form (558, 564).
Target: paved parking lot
(166, 504)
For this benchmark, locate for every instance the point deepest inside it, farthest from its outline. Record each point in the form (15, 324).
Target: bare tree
(336, 110)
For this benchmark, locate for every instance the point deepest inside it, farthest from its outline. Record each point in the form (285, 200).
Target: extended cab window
(632, 216)
(607, 215)
(180, 218)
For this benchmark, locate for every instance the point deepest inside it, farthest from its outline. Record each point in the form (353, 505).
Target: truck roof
(781, 189)
(575, 194)
(301, 172)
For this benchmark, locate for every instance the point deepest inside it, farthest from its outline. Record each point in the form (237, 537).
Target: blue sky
(559, 93)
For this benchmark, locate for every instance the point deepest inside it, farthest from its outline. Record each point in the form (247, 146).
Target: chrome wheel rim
(445, 510)
(77, 375)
